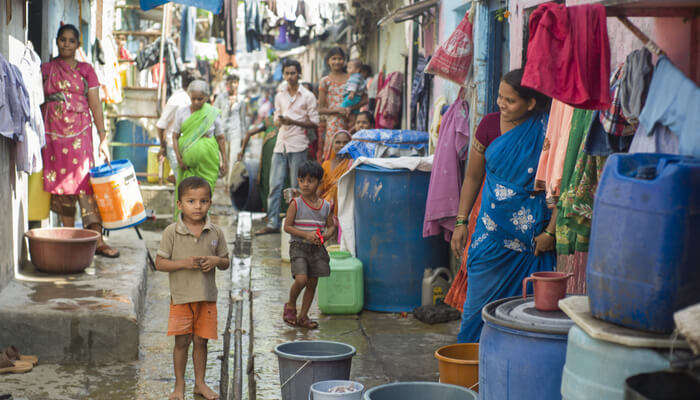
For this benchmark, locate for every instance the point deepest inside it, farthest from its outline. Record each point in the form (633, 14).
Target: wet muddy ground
(389, 347)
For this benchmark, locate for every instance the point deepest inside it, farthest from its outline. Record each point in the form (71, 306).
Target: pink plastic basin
(62, 250)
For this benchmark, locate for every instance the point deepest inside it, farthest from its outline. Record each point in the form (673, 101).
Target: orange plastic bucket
(459, 364)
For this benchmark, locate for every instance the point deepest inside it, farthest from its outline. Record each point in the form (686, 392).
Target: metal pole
(163, 36)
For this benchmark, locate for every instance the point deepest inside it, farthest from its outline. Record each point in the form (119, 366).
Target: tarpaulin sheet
(374, 143)
(211, 5)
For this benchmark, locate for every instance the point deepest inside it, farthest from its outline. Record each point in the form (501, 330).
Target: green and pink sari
(199, 152)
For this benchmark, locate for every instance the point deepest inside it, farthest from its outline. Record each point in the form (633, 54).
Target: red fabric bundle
(568, 55)
(457, 294)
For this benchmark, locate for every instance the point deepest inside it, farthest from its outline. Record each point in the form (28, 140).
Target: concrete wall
(13, 185)
(673, 35)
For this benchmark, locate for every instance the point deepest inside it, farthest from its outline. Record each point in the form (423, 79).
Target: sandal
(307, 323)
(266, 231)
(107, 251)
(8, 366)
(290, 315)
(13, 354)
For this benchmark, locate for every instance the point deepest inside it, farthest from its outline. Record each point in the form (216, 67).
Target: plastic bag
(453, 59)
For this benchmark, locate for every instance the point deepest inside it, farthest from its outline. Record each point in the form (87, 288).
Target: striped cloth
(308, 218)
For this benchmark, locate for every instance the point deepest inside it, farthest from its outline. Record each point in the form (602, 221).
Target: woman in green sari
(198, 139)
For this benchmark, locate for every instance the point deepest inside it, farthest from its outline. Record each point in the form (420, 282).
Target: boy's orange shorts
(198, 318)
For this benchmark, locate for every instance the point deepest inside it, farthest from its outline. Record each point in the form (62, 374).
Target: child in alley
(190, 251)
(356, 85)
(310, 223)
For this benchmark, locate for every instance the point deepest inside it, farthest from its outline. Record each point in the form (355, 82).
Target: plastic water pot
(596, 369)
(343, 291)
(522, 351)
(459, 364)
(304, 363)
(389, 210)
(419, 391)
(154, 165)
(643, 256)
(549, 288)
(319, 391)
(39, 200)
(284, 243)
(118, 194)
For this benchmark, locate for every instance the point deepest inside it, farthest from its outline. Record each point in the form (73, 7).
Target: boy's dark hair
(291, 63)
(232, 78)
(192, 182)
(366, 69)
(311, 168)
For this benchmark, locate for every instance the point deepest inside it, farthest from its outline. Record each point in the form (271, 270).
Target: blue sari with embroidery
(502, 247)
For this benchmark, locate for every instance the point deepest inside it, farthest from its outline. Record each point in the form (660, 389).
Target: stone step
(89, 317)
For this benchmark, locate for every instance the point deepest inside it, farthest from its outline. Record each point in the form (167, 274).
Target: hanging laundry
(436, 122)
(660, 140)
(551, 164)
(568, 54)
(149, 56)
(634, 84)
(442, 204)
(108, 73)
(225, 59)
(674, 101)
(388, 111)
(253, 25)
(230, 16)
(29, 150)
(614, 122)
(14, 105)
(579, 183)
(187, 31)
(420, 94)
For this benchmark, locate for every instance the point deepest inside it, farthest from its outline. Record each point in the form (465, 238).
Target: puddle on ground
(64, 297)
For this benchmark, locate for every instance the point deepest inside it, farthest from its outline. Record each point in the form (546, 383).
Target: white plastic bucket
(118, 195)
(319, 391)
(284, 243)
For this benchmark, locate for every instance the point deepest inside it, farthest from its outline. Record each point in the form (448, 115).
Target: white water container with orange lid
(118, 195)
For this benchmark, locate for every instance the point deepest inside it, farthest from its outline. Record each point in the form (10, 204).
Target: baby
(356, 85)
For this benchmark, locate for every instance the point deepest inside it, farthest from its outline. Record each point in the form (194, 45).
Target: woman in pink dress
(330, 96)
(71, 89)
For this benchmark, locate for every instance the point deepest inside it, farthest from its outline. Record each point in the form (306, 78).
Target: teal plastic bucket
(419, 391)
(320, 391)
(303, 363)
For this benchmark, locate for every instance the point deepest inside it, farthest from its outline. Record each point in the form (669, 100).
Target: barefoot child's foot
(205, 391)
(289, 315)
(178, 393)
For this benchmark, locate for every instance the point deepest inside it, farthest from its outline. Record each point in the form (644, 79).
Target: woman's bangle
(460, 222)
(550, 233)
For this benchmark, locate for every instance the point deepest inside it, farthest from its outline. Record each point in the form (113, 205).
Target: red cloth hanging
(568, 55)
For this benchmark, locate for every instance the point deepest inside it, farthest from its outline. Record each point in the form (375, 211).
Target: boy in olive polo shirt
(190, 250)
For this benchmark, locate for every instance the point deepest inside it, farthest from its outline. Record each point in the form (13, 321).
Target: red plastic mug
(550, 287)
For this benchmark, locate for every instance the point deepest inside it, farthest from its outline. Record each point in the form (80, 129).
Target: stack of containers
(642, 267)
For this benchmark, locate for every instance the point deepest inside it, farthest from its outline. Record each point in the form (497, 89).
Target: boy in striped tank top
(310, 223)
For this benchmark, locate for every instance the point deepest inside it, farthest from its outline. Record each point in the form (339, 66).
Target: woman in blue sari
(514, 234)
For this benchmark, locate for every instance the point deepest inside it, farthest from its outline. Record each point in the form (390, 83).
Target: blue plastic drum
(389, 210)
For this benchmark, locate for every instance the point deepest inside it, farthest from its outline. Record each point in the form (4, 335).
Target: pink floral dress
(67, 155)
(334, 123)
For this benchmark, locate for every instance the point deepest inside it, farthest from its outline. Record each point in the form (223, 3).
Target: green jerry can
(343, 291)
